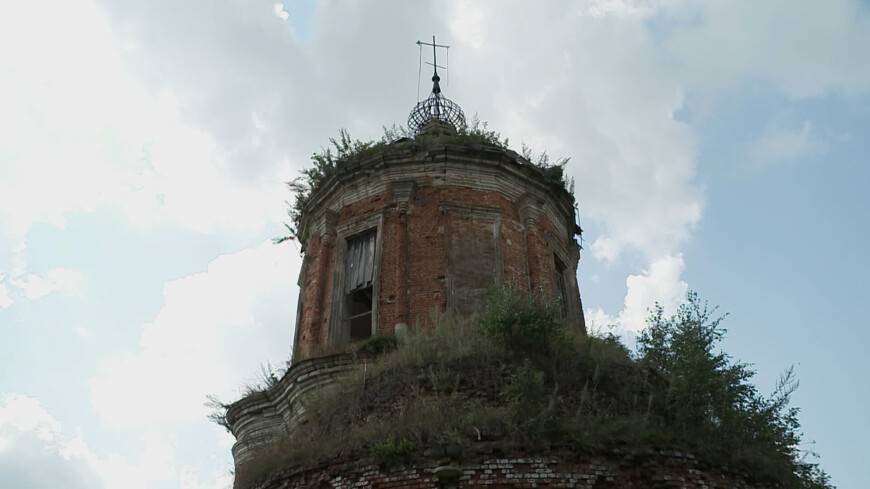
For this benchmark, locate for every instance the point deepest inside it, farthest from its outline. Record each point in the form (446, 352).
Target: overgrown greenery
(518, 375)
(344, 152)
(709, 395)
(267, 377)
(392, 452)
(526, 324)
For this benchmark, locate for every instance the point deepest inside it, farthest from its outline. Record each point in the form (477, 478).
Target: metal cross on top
(436, 107)
(434, 62)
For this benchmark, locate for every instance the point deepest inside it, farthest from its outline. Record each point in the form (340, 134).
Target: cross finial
(434, 63)
(436, 114)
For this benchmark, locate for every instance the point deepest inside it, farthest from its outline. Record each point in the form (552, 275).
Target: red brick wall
(427, 268)
(527, 259)
(307, 334)
(657, 470)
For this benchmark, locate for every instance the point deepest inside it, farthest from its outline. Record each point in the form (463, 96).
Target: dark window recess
(559, 282)
(358, 292)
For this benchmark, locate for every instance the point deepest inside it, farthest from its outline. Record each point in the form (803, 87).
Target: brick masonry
(451, 219)
(663, 469)
(260, 418)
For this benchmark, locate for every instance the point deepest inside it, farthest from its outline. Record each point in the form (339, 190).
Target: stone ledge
(259, 418)
(443, 164)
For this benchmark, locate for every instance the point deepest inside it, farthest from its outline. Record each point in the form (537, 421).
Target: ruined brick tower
(426, 225)
(396, 234)
(410, 230)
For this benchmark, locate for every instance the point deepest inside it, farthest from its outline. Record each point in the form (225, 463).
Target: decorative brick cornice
(326, 226)
(470, 166)
(477, 212)
(529, 209)
(261, 417)
(403, 191)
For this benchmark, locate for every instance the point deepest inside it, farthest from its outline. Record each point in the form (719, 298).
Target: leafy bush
(325, 164)
(709, 396)
(526, 324)
(528, 381)
(392, 452)
(554, 169)
(525, 398)
(379, 344)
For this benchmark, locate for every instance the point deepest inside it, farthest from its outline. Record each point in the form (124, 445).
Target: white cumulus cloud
(601, 97)
(784, 144)
(214, 329)
(78, 131)
(5, 298)
(659, 282)
(34, 452)
(803, 47)
(34, 286)
(281, 12)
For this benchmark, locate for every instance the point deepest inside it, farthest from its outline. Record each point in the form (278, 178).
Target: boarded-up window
(358, 291)
(474, 257)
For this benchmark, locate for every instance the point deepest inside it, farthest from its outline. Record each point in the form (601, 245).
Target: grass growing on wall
(518, 375)
(343, 152)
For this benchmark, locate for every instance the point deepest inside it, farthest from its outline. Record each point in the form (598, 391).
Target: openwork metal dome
(436, 108)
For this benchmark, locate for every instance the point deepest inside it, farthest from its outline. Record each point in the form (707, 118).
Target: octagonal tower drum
(421, 229)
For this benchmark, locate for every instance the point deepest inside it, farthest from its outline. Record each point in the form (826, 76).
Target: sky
(717, 146)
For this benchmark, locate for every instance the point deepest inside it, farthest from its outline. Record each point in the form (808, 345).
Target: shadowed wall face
(474, 263)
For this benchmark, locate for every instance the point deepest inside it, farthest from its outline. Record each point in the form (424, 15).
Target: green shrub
(380, 344)
(525, 398)
(391, 452)
(710, 398)
(529, 380)
(526, 324)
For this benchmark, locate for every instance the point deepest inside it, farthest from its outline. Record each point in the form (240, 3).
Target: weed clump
(379, 345)
(345, 154)
(392, 452)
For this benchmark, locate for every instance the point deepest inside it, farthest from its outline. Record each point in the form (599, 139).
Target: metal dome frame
(439, 108)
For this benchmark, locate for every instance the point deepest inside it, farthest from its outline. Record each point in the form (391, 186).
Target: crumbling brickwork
(623, 470)
(451, 221)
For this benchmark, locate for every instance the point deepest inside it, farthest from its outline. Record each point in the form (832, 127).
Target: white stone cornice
(473, 166)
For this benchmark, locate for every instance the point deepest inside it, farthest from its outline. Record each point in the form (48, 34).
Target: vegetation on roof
(518, 375)
(344, 151)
